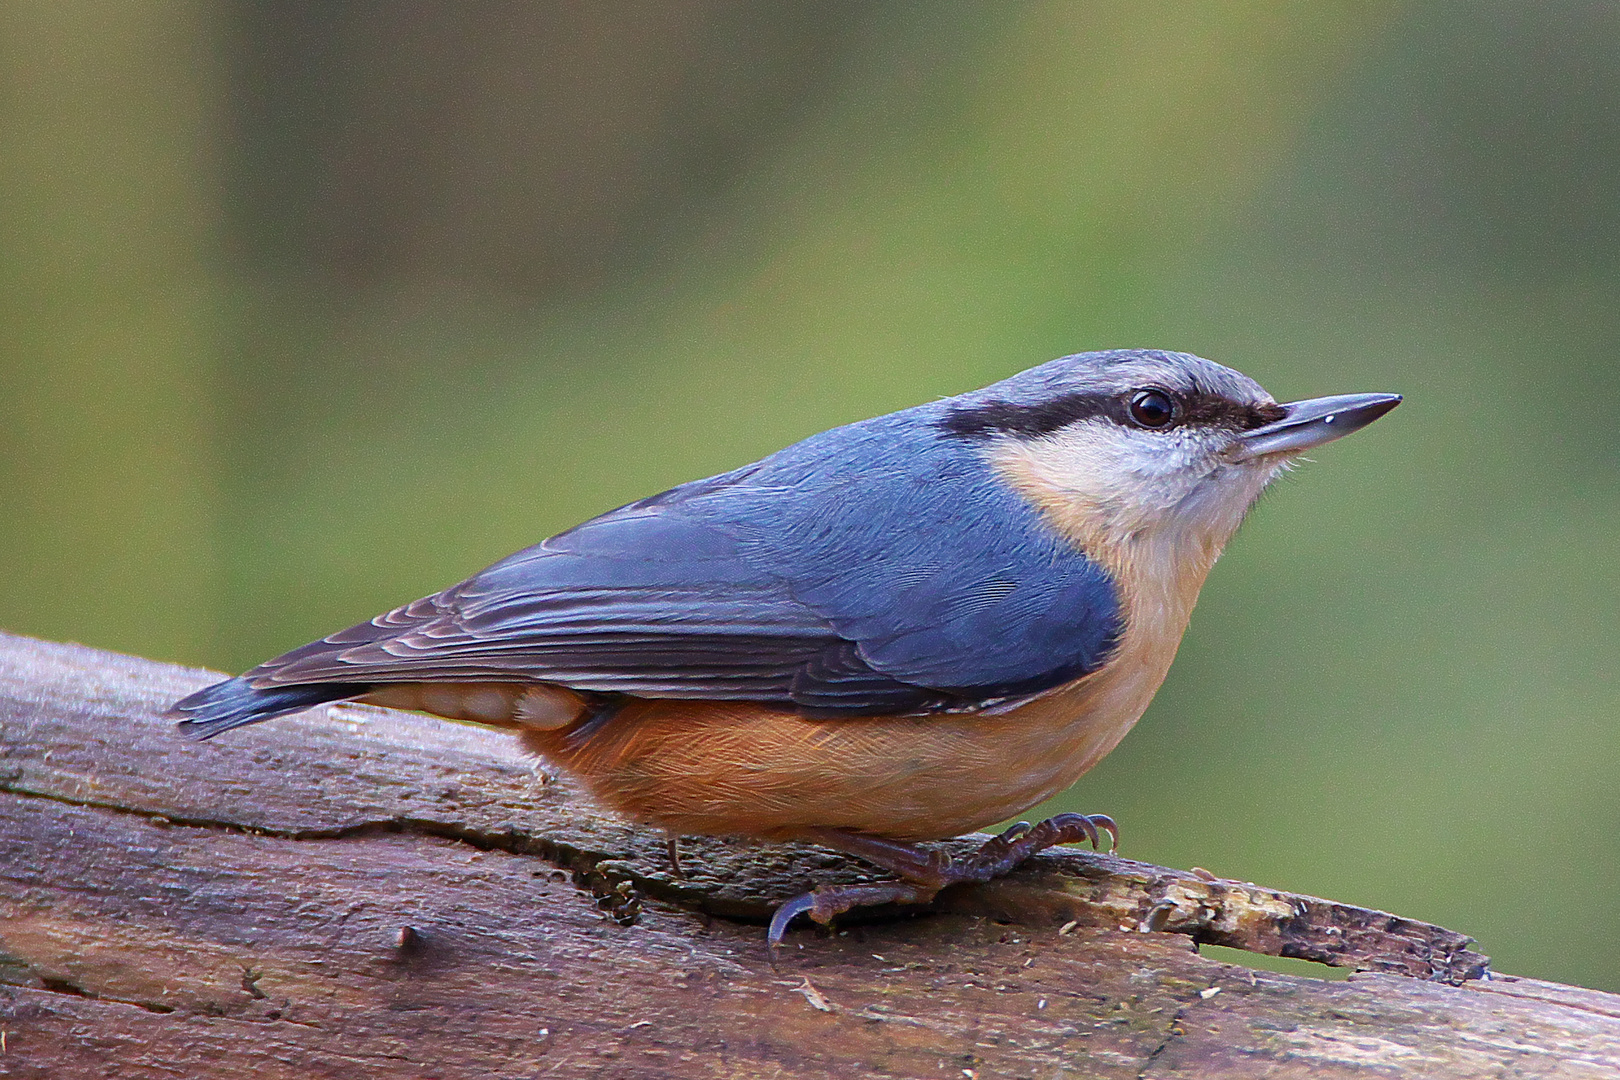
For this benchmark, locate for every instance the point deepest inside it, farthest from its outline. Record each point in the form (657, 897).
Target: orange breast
(734, 768)
(744, 769)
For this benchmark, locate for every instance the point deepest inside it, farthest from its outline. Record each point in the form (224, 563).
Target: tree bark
(361, 892)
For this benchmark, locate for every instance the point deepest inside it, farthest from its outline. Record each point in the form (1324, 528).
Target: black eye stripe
(1213, 411)
(993, 418)
(1029, 421)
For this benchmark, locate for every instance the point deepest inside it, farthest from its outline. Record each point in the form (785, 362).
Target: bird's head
(1120, 449)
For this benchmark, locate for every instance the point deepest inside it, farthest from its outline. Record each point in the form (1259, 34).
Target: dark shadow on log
(358, 891)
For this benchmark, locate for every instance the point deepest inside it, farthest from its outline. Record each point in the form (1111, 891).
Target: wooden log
(359, 892)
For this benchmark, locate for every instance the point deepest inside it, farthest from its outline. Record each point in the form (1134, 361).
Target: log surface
(360, 892)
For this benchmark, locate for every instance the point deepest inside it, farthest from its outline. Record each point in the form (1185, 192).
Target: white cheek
(1143, 471)
(1156, 456)
(1128, 481)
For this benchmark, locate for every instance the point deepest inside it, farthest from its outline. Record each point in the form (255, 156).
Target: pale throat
(1157, 537)
(1157, 557)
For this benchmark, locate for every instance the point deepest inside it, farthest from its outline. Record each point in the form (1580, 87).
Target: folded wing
(916, 584)
(638, 602)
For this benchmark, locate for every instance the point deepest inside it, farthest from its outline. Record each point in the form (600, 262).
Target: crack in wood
(64, 986)
(1172, 1032)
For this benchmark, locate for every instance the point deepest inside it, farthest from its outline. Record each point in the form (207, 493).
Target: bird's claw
(822, 904)
(924, 876)
(792, 909)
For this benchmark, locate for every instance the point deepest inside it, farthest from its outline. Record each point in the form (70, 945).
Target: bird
(897, 631)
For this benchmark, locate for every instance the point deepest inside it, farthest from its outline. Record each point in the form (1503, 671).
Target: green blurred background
(307, 309)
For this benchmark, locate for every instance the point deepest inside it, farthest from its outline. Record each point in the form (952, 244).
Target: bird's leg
(672, 846)
(924, 872)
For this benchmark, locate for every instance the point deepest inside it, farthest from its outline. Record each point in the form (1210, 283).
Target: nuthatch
(904, 629)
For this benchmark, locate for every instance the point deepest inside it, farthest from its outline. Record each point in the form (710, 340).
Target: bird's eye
(1152, 408)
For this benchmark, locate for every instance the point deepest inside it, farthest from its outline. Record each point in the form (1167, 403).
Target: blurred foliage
(310, 309)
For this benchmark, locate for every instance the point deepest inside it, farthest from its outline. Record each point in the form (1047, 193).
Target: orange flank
(743, 769)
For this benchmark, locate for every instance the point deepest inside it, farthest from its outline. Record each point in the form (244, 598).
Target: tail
(233, 703)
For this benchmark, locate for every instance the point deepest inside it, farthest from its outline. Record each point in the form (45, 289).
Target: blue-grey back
(882, 566)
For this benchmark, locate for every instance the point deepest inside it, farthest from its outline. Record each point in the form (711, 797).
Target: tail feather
(233, 703)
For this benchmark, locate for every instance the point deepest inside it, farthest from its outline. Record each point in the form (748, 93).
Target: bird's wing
(640, 601)
(911, 587)
(940, 574)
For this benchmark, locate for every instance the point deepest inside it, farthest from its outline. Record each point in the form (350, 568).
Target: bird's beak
(1308, 424)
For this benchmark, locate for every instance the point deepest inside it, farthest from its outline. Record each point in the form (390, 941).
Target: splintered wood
(360, 892)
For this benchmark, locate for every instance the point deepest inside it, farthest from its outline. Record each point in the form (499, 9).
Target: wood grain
(361, 892)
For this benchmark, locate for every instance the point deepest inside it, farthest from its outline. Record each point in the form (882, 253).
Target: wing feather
(869, 569)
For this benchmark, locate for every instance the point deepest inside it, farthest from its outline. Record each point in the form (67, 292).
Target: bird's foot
(1002, 854)
(923, 873)
(822, 904)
